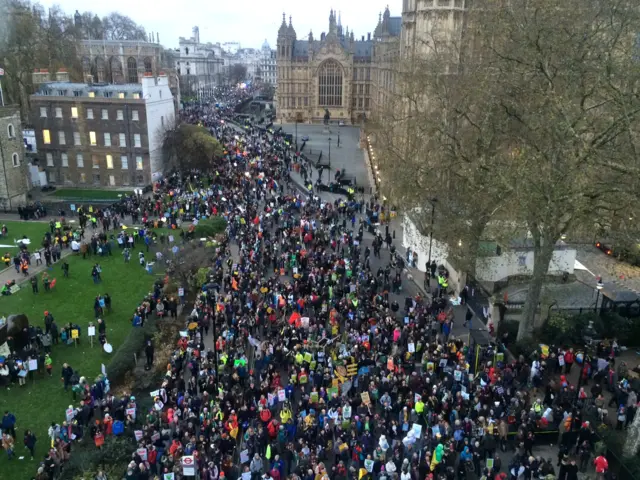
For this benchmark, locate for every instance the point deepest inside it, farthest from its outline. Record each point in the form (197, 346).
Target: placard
(188, 466)
(181, 292)
(346, 411)
(244, 456)
(131, 411)
(33, 365)
(314, 397)
(138, 434)
(368, 464)
(142, 452)
(411, 347)
(69, 414)
(169, 476)
(365, 398)
(171, 239)
(282, 395)
(75, 334)
(91, 331)
(103, 369)
(417, 430)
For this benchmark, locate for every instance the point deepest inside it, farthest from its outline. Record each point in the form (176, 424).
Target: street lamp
(296, 135)
(329, 153)
(599, 286)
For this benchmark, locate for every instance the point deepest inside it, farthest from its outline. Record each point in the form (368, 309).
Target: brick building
(102, 135)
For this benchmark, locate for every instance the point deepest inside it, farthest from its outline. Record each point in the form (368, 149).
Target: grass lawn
(37, 405)
(33, 230)
(90, 194)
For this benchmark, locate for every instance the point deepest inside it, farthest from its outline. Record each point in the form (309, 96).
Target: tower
(333, 27)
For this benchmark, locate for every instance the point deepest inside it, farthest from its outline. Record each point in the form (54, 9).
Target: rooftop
(70, 88)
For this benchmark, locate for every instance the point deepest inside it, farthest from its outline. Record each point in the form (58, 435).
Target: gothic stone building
(338, 74)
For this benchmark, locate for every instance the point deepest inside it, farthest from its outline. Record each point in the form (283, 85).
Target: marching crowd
(319, 365)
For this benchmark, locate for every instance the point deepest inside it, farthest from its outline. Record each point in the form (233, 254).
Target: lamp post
(296, 135)
(329, 153)
(599, 286)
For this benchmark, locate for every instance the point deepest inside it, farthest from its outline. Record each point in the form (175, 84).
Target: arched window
(15, 159)
(11, 131)
(330, 84)
(132, 70)
(116, 70)
(100, 70)
(148, 66)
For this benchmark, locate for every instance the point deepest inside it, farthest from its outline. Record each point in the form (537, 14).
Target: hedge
(210, 227)
(123, 360)
(86, 460)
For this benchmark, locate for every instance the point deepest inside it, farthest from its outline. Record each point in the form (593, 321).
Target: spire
(339, 19)
(283, 27)
(289, 20)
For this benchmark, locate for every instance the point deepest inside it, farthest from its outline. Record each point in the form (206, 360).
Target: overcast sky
(249, 22)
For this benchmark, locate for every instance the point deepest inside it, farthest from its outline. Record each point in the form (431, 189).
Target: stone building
(267, 67)
(13, 176)
(199, 65)
(336, 74)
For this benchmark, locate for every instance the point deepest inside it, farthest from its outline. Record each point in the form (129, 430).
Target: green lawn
(33, 230)
(36, 406)
(90, 194)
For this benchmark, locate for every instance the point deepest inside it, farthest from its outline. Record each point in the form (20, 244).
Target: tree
(120, 27)
(189, 147)
(528, 124)
(238, 73)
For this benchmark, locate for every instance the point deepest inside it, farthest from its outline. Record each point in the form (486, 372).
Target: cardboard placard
(282, 395)
(411, 347)
(138, 434)
(75, 333)
(91, 331)
(69, 414)
(365, 398)
(143, 453)
(33, 365)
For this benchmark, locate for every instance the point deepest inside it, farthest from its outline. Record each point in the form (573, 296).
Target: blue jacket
(8, 421)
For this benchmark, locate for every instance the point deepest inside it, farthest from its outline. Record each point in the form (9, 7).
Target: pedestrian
(8, 444)
(30, 442)
(34, 284)
(9, 423)
(67, 373)
(48, 364)
(149, 351)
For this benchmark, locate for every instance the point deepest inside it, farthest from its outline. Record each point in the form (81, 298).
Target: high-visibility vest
(419, 406)
(303, 378)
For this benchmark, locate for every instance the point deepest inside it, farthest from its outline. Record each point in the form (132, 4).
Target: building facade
(199, 65)
(267, 69)
(13, 176)
(337, 74)
(102, 135)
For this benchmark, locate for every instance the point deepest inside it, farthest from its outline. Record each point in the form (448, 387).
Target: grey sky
(247, 21)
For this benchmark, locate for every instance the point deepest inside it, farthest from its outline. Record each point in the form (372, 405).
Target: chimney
(40, 76)
(363, 38)
(62, 75)
(368, 36)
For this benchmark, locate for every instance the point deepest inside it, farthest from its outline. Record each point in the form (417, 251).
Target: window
(134, 115)
(136, 140)
(360, 89)
(83, 177)
(62, 139)
(74, 112)
(125, 179)
(15, 160)
(119, 115)
(125, 162)
(76, 139)
(122, 140)
(148, 66)
(92, 94)
(366, 89)
(136, 96)
(139, 163)
(80, 160)
(140, 179)
(92, 139)
(108, 94)
(120, 95)
(43, 112)
(132, 70)
(95, 161)
(105, 114)
(90, 113)
(49, 159)
(11, 131)
(65, 159)
(109, 162)
(46, 137)
(107, 139)
(96, 178)
(360, 103)
(58, 112)
(366, 103)
(330, 84)
(77, 93)
(52, 177)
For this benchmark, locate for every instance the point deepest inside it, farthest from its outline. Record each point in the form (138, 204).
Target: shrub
(210, 227)
(86, 460)
(123, 360)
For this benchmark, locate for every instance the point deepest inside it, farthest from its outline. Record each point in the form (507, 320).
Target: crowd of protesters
(304, 357)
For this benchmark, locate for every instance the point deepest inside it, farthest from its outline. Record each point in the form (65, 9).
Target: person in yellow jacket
(437, 457)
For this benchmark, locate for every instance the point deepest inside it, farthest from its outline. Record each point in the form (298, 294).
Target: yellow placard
(352, 369)
(74, 334)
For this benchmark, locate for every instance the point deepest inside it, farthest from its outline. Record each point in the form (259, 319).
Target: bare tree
(120, 27)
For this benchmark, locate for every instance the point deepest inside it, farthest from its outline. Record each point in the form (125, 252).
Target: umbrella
(108, 348)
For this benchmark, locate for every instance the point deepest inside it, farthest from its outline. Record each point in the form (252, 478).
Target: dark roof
(363, 49)
(619, 294)
(395, 24)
